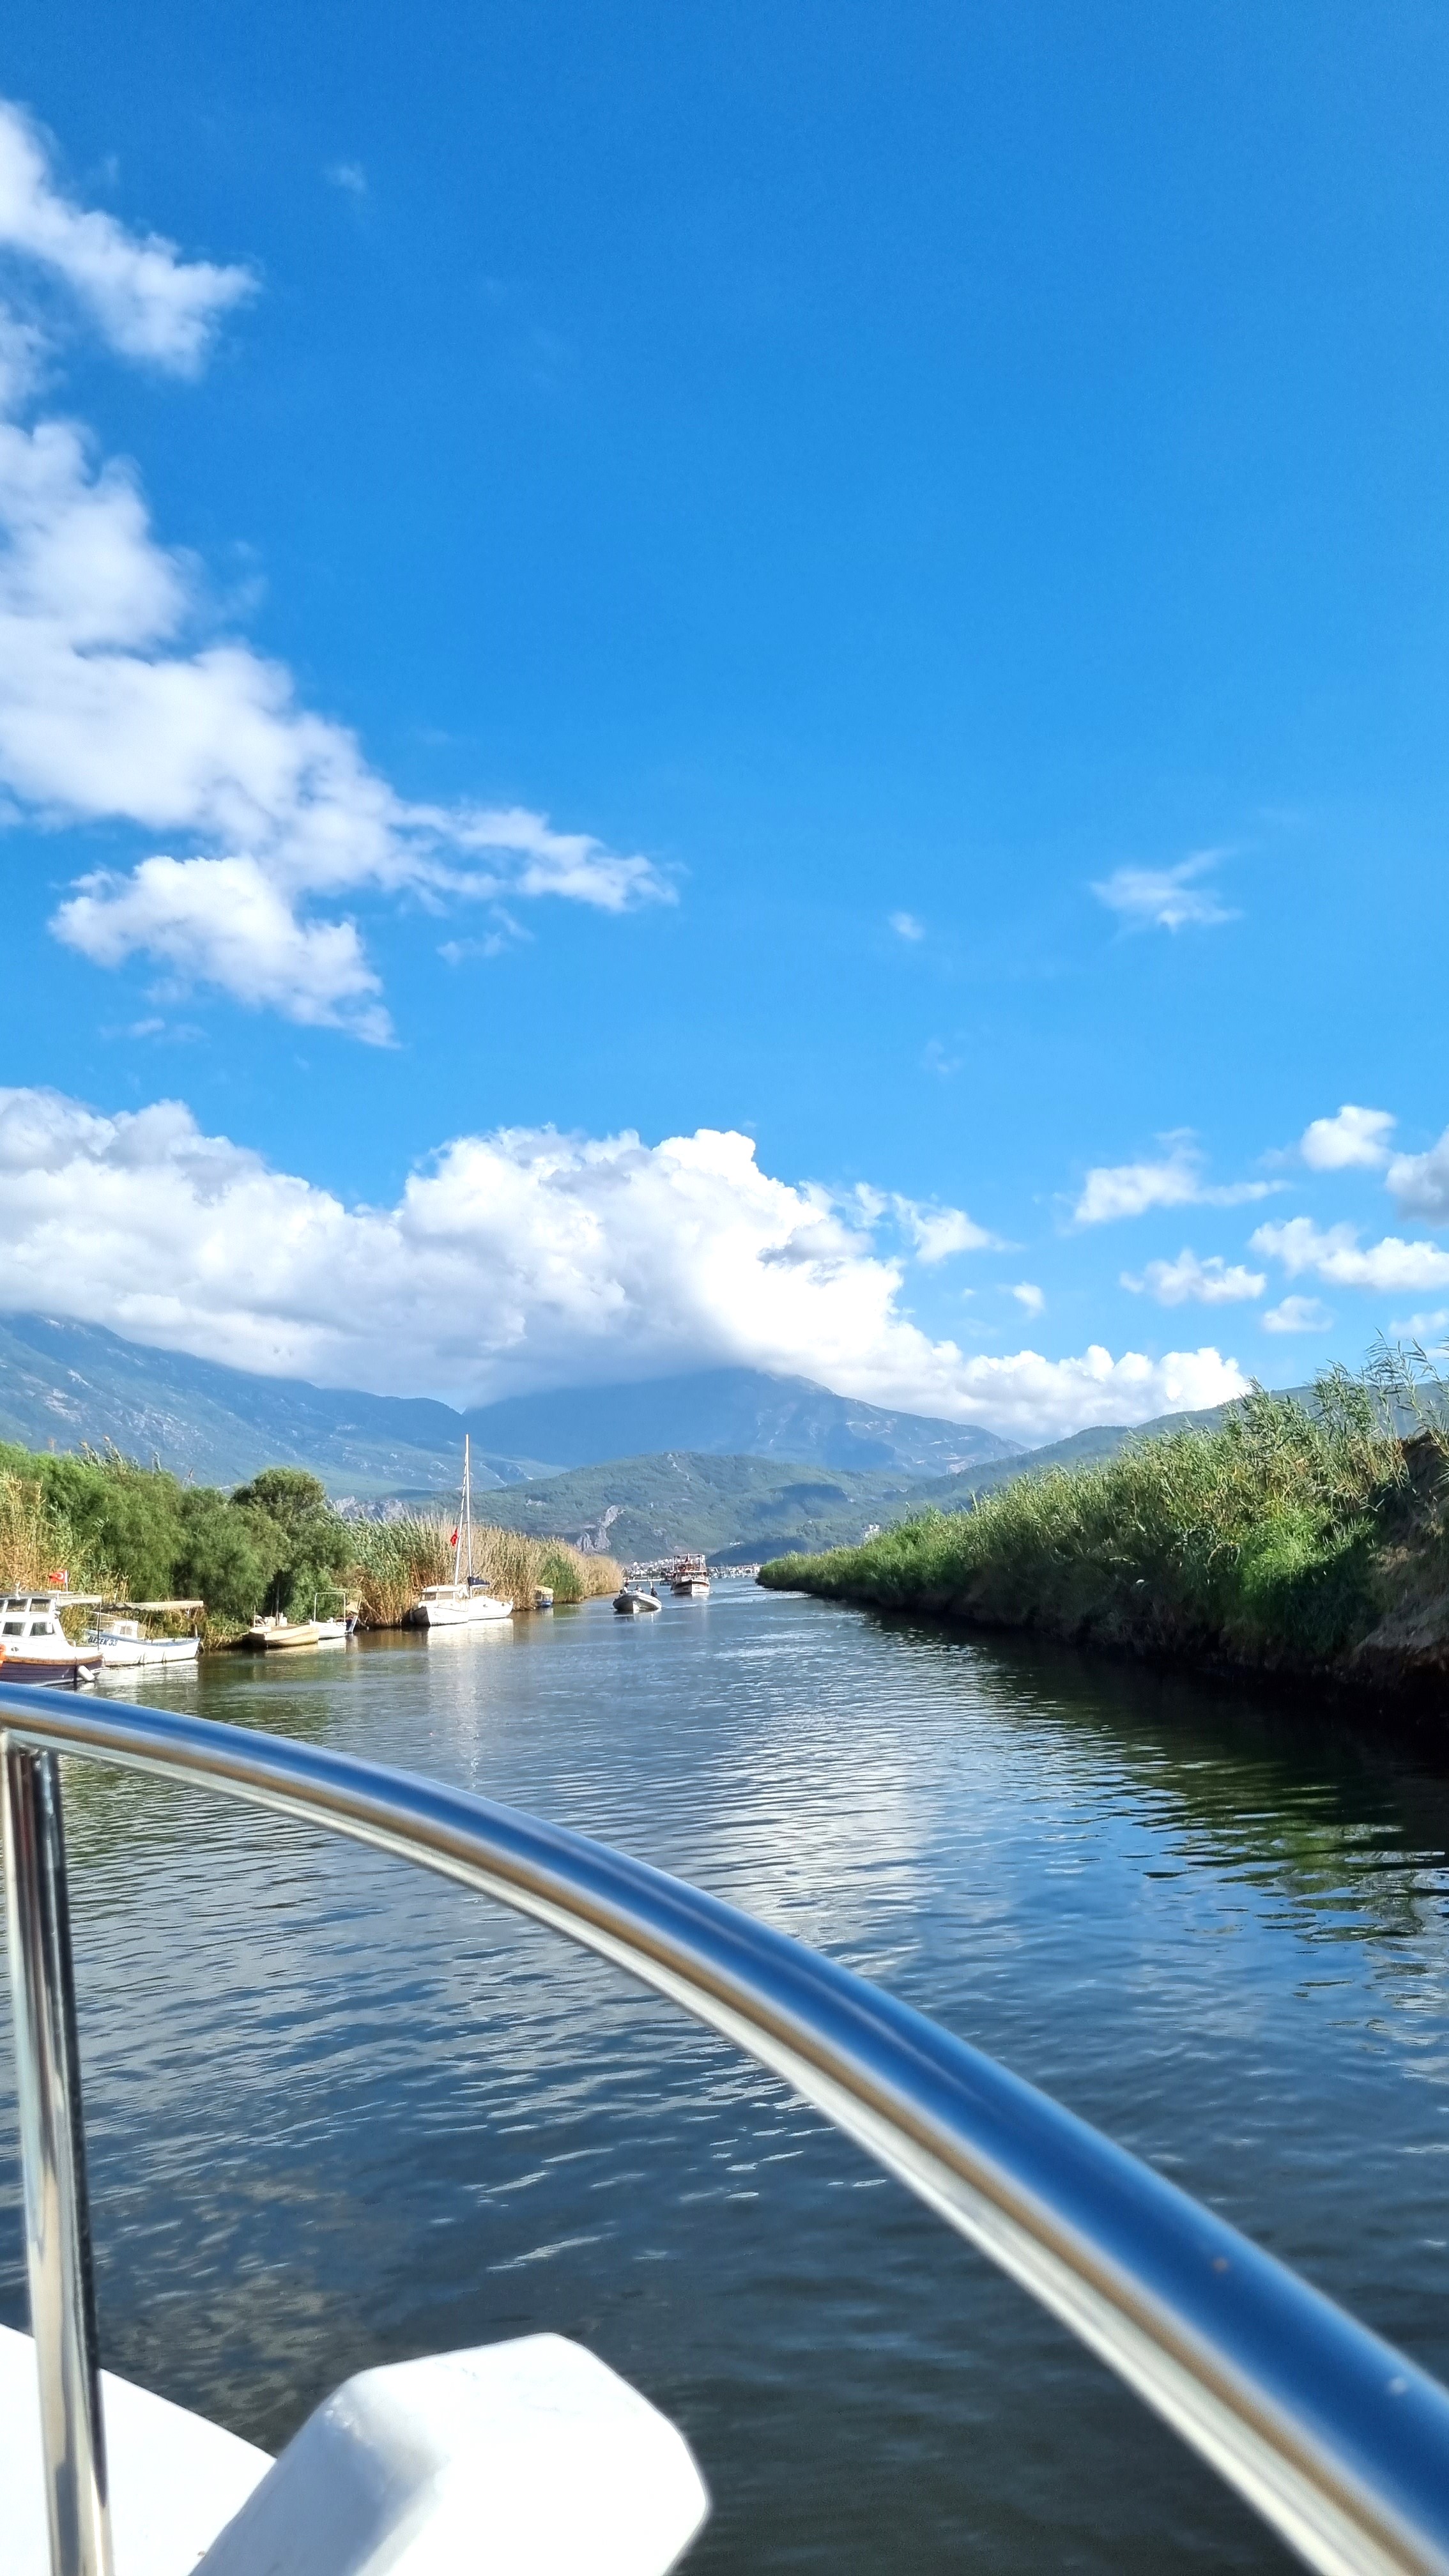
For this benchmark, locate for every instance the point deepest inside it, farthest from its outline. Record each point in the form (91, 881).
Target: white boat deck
(528, 2458)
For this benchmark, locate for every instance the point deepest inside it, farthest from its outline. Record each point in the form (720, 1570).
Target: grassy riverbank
(137, 1533)
(392, 1560)
(1300, 1538)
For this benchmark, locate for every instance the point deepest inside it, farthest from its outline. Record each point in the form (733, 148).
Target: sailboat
(468, 1601)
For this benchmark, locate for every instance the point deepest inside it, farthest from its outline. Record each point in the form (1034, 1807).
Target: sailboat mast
(467, 1508)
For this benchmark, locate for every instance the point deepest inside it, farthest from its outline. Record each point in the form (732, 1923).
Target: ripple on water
(341, 2113)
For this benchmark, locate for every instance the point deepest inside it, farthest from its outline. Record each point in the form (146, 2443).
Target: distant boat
(542, 1597)
(634, 1602)
(35, 1648)
(689, 1578)
(468, 1601)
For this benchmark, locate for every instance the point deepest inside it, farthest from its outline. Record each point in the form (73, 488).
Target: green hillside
(730, 1508)
(742, 1509)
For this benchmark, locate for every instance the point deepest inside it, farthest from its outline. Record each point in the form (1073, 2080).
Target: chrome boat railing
(1340, 2443)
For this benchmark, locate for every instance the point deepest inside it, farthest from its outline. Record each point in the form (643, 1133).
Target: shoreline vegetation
(1304, 1538)
(134, 1533)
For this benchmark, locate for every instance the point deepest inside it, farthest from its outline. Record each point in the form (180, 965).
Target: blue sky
(872, 479)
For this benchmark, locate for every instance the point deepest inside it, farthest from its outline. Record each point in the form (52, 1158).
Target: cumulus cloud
(147, 300)
(906, 926)
(1334, 1253)
(937, 1232)
(1029, 1297)
(1420, 1183)
(1188, 1281)
(1165, 898)
(513, 1260)
(223, 921)
(1355, 1139)
(1130, 1189)
(1424, 1328)
(113, 712)
(933, 1232)
(1298, 1315)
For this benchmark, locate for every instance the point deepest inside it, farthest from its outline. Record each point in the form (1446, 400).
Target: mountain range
(731, 1461)
(65, 1384)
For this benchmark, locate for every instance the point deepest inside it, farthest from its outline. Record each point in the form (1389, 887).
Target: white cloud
(1355, 1139)
(1188, 1281)
(1426, 1328)
(937, 1232)
(906, 926)
(932, 1231)
(1165, 898)
(513, 1260)
(148, 301)
(223, 921)
(1130, 1189)
(1298, 1315)
(1029, 1297)
(1420, 1183)
(111, 712)
(1334, 1253)
(350, 176)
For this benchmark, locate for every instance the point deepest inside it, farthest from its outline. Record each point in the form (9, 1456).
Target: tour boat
(35, 1648)
(543, 1596)
(468, 1601)
(689, 1578)
(633, 1602)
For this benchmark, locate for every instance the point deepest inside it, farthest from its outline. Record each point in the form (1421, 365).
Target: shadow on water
(341, 2113)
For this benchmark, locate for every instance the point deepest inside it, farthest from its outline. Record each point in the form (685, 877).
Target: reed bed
(1279, 1539)
(37, 1540)
(392, 1561)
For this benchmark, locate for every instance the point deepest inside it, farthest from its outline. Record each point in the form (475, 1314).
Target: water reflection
(341, 2112)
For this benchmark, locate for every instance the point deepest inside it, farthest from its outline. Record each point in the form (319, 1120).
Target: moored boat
(125, 1644)
(468, 1601)
(35, 1648)
(269, 1634)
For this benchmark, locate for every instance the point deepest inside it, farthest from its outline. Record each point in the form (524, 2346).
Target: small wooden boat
(125, 1644)
(543, 1597)
(634, 1602)
(267, 1635)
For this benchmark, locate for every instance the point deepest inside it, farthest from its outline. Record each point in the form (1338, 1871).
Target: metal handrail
(1338, 2441)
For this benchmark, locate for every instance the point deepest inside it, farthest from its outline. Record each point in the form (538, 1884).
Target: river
(341, 2113)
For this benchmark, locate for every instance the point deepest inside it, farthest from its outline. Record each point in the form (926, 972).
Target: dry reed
(392, 1561)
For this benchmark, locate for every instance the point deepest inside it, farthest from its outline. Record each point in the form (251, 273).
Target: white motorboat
(125, 1645)
(35, 1648)
(635, 1601)
(468, 1601)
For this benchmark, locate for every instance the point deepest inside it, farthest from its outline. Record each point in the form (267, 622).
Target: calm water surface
(340, 2113)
